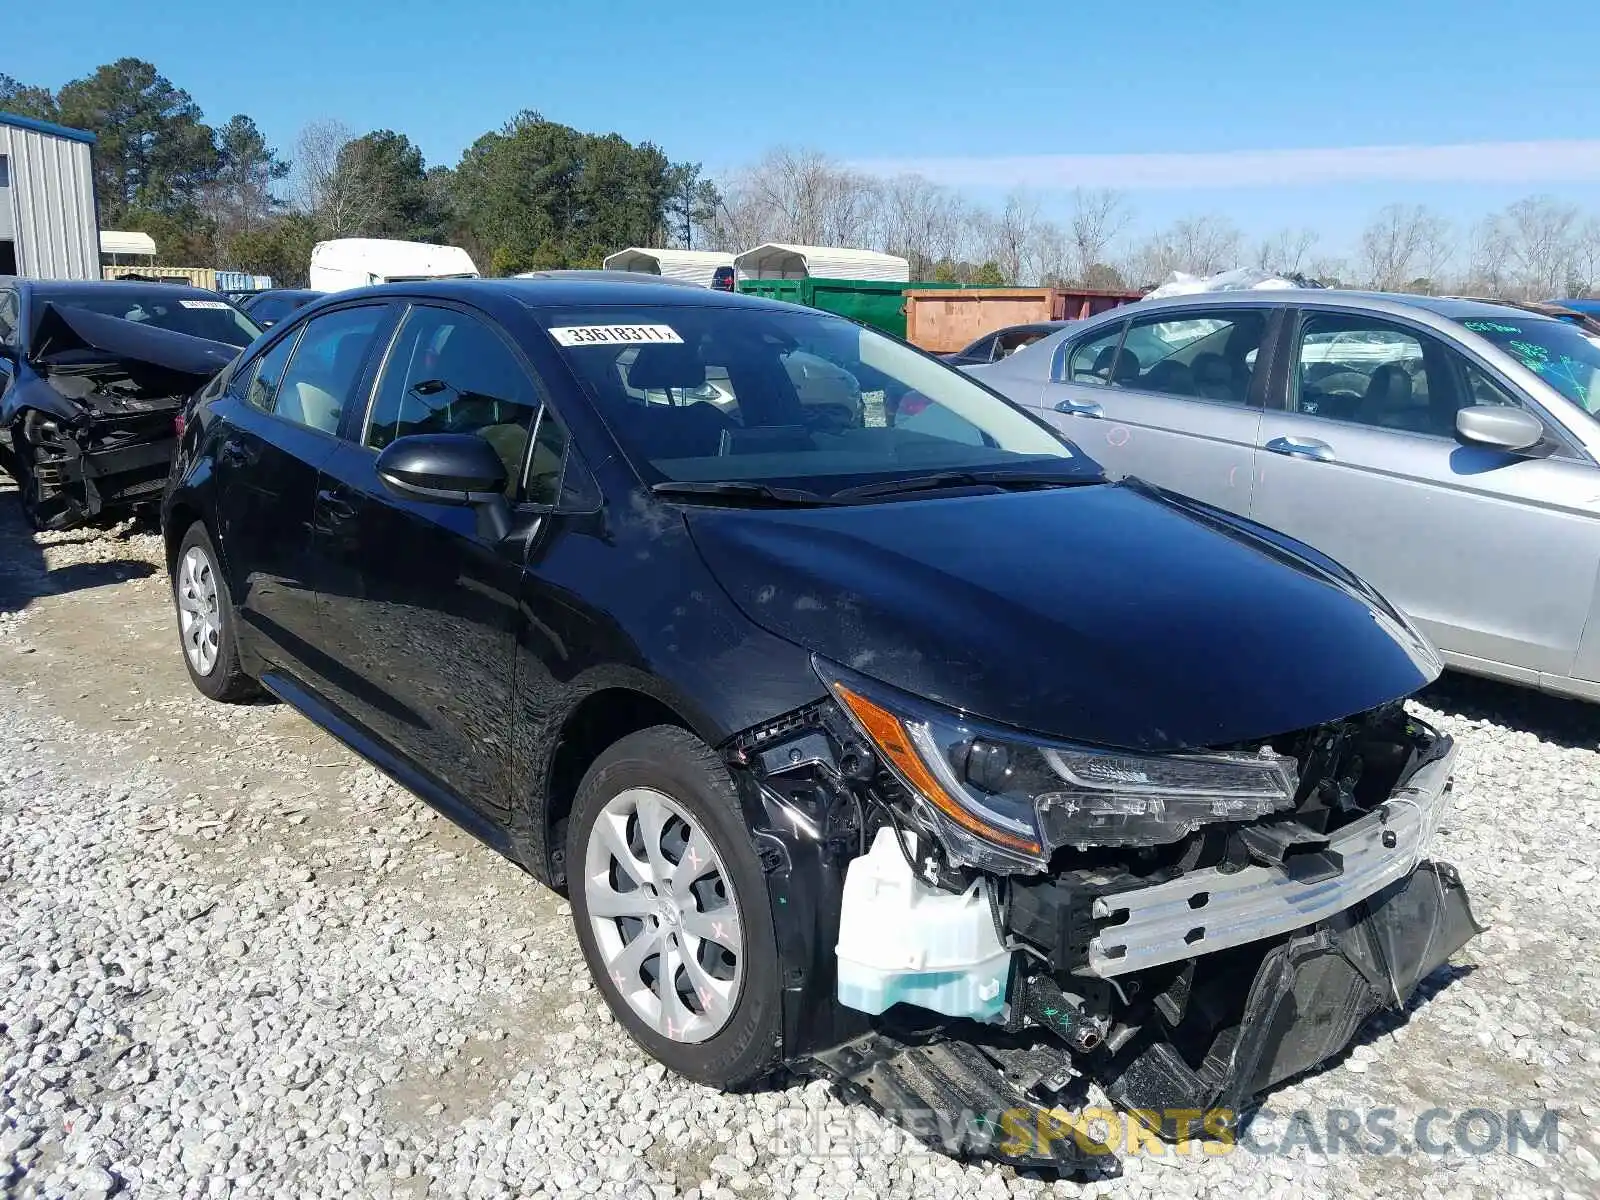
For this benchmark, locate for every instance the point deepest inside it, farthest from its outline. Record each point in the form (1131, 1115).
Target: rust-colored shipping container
(200, 277)
(946, 321)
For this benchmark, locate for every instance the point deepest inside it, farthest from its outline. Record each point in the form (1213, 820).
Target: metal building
(691, 266)
(49, 225)
(780, 260)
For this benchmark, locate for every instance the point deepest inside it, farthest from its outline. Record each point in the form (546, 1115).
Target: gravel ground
(239, 962)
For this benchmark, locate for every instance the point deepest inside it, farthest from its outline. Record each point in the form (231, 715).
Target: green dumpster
(880, 303)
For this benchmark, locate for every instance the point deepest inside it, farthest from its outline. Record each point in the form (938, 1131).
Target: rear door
(279, 425)
(1172, 396)
(420, 602)
(1494, 555)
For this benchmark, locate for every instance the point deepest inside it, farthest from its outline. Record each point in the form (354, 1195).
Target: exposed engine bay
(1185, 931)
(93, 427)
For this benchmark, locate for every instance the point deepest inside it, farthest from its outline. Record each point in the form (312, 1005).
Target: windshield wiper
(736, 491)
(955, 479)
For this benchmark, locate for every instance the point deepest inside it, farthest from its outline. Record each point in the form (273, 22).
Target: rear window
(269, 310)
(209, 317)
(806, 399)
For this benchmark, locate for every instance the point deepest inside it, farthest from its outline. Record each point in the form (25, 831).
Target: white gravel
(267, 971)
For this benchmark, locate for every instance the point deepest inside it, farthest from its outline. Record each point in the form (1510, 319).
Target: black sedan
(1001, 343)
(92, 375)
(894, 745)
(269, 307)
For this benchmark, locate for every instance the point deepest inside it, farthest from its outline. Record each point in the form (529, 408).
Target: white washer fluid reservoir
(903, 941)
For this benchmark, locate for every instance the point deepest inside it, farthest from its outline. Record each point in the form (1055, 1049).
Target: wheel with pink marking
(672, 910)
(663, 915)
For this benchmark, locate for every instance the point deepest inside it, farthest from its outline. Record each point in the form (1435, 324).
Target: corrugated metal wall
(52, 205)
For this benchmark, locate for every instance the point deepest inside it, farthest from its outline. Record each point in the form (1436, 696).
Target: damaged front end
(93, 428)
(977, 923)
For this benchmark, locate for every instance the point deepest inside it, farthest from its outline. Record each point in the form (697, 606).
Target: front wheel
(671, 908)
(206, 620)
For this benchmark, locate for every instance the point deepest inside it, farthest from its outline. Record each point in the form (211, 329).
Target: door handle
(1302, 447)
(335, 506)
(1080, 408)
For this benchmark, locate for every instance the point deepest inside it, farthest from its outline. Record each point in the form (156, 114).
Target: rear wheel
(206, 620)
(671, 908)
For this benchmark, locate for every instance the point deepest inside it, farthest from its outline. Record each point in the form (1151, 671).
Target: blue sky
(990, 95)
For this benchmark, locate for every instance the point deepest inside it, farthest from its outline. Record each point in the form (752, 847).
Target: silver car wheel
(199, 620)
(665, 918)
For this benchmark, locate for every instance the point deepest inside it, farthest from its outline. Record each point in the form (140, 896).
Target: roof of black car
(555, 292)
(62, 289)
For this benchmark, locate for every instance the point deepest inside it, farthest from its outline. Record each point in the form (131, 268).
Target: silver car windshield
(1555, 351)
(719, 393)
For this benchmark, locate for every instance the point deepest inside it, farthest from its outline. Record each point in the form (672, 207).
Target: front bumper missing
(1210, 910)
(1310, 994)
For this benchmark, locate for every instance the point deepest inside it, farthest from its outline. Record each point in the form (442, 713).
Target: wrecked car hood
(64, 334)
(1111, 614)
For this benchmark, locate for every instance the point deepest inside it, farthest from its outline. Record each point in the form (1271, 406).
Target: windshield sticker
(615, 335)
(222, 304)
(1491, 327)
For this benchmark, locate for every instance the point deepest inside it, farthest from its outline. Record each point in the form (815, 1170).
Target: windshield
(798, 398)
(1555, 351)
(181, 312)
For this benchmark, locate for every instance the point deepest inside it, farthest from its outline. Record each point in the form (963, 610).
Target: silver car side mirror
(1498, 427)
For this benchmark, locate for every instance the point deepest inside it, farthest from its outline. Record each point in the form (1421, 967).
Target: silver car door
(1492, 554)
(1177, 402)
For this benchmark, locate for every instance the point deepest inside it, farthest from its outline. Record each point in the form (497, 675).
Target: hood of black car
(63, 333)
(1110, 614)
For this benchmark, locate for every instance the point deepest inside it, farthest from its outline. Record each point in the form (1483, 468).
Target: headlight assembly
(1004, 799)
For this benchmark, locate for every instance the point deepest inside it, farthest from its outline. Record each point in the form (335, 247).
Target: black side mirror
(1499, 427)
(450, 468)
(446, 468)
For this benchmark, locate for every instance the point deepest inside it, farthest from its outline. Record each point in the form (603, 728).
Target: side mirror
(1498, 427)
(445, 468)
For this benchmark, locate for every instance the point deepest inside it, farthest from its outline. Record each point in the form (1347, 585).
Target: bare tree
(1286, 252)
(323, 186)
(1586, 258)
(1488, 259)
(801, 196)
(1011, 237)
(1329, 270)
(1053, 255)
(1405, 245)
(1200, 245)
(1099, 217)
(1541, 233)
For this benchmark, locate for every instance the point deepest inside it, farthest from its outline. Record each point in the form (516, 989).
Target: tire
(197, 580)
(735, 1038)
(27, 482)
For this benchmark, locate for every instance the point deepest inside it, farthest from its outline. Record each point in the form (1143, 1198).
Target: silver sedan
(1448, 451)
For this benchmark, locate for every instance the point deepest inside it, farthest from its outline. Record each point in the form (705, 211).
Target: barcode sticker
(615, 335)
(222, 304)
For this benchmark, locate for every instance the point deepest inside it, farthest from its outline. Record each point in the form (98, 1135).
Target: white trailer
(361, 262)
